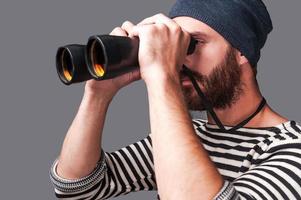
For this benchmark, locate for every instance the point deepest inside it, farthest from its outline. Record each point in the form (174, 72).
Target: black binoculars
(104, 57)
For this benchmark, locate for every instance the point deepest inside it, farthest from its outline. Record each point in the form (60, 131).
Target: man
(245, 150)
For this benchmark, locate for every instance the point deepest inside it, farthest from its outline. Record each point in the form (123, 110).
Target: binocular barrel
(104, 57)
(109, 56)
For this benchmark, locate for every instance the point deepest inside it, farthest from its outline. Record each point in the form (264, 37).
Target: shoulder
(287, 131)
(285, 136)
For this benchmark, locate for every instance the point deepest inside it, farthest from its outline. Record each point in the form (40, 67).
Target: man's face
(214, 66)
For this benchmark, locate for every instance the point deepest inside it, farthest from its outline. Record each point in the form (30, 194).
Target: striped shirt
(256, 163)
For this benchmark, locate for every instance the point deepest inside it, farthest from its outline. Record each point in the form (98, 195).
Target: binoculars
(103, 57)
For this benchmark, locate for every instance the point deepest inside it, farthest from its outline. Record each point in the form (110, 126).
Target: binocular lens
(67, 65)
(99, 70)
(97, 59)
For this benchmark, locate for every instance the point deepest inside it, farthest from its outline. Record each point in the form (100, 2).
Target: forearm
(183, 167)
(82, 145)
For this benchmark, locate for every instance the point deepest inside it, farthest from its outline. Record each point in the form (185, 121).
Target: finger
(135, 31)
(133, 75)
(142, 29)
(159, 19)
(118, 31)
(136, 75)
(127, 26)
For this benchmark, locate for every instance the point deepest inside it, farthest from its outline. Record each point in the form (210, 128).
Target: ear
(241, 59)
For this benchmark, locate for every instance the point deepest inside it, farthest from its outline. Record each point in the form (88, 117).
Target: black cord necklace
(209, 107)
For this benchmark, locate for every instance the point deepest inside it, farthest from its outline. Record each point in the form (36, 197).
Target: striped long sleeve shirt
(256, 163)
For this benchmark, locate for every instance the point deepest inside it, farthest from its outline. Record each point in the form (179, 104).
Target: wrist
(162, 81)
(92, 96)
(99, 90)
(158, 77)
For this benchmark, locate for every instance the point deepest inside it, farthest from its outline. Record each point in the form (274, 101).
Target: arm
(81, 149)
(183, 168)
(82, 144)
(176, 144)
(126, 170)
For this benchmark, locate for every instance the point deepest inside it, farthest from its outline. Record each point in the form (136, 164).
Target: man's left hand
(162, 49)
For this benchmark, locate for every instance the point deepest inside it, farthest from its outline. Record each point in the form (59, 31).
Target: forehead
(192, 25)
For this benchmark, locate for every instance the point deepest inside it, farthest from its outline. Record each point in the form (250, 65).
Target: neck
(245, 106)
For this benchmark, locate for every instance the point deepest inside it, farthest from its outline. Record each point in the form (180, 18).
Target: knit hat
(245, 24)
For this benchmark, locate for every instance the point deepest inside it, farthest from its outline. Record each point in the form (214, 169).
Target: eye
(200, 42)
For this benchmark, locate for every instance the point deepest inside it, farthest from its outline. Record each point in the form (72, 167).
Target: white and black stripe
(256, 163)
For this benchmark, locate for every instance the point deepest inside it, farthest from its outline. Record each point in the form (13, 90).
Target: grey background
(36, 109)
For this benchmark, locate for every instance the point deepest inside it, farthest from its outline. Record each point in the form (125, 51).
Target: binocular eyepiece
(104, 57)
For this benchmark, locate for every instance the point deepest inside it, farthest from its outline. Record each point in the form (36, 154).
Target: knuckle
(160, 15)
(162, 27)
(118, 30)
(151, 30)
(187, 38)
(126, 24)
(176, 28)
(186, 34)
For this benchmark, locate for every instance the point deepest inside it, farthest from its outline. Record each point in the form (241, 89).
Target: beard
(222, 87)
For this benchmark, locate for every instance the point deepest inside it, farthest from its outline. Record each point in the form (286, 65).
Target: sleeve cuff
(77, 185)
(227, 192)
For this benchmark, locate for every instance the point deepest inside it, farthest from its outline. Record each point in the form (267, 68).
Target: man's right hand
(108, 88)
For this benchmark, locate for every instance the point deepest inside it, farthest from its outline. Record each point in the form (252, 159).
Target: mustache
(198, 77)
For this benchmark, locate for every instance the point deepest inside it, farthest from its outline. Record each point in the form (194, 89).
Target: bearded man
(243, 150)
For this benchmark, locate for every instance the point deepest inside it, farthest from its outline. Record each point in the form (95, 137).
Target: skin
(222, 87)
(162, 53)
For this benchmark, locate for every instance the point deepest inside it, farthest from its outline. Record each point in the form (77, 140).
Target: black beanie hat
(245, 24)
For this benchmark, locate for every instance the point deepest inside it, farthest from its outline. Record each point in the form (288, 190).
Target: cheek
(208, 56)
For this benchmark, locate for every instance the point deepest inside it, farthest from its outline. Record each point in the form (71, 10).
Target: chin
(194, 103)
